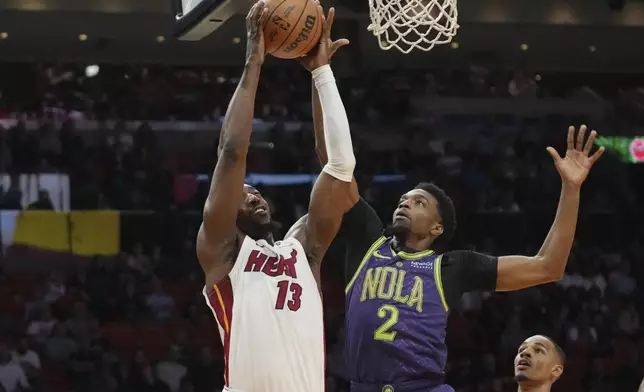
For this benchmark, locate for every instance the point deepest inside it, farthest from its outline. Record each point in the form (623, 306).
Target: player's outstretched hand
(574, 166)
(256, 18)
(326, 48)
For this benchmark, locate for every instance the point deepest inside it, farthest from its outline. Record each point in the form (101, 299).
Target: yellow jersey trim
(411, 256)
(439, 282)
(220, 299)
(367, 255)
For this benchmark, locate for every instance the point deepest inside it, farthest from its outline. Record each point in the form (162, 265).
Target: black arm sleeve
(464, 271)
(361, 227)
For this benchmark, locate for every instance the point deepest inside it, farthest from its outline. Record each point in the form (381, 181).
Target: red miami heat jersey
(269, 312)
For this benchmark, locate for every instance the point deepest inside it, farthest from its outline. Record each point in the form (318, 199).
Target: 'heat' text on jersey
(389, 283)
(272, 265)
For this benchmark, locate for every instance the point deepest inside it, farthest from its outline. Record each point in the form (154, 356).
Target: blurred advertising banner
(82, 233)
(22, 190)
(629, 149)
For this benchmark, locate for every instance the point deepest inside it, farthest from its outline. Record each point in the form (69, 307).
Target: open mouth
(400, 215)
(523, 364)
(260, 210)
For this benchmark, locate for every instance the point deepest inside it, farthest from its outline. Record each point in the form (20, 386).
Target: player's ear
(557, 371)
(437, 230)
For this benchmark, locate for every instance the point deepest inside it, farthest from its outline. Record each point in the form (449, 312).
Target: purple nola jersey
(396, 317)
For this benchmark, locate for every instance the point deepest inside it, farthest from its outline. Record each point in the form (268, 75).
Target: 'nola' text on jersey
(389, 283)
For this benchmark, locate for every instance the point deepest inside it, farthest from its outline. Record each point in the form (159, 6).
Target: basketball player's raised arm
(217, 234)
(361, 226)
(549, 264)
(353, 194)
(325, 208)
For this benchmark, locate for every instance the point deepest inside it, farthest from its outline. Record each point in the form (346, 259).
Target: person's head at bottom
(538, 364)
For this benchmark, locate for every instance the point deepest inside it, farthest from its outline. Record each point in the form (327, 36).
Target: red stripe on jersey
(221, 301)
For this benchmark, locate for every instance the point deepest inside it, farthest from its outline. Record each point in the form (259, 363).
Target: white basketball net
(409, 24)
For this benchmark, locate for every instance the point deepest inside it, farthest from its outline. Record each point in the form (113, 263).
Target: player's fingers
(260, 11)
(263, 17)
(580, 138)
(597, 154)
(329, 22)
(322, 19)
(255, 13)
(335, 45)
(589, 143)
(571, 137)
(553, 153)
(250, 14)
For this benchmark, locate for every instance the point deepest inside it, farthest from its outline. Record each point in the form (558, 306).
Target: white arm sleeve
(337, 133)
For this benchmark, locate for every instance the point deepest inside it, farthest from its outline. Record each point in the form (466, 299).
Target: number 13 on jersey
(291, 290)
(389, 313)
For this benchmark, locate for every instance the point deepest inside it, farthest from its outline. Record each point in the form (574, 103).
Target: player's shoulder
(455, 254)
(466, 258)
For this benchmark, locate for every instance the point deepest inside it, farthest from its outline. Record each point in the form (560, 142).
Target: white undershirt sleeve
(337, 133)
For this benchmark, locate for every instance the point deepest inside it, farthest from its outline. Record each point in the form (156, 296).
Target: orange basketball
(293, 28)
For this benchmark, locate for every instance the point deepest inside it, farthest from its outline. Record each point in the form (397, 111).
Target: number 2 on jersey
(285, 287)
(390, 313)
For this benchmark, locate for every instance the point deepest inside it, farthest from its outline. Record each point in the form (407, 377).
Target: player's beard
(521, 377)
(398, 231)
(256, 230)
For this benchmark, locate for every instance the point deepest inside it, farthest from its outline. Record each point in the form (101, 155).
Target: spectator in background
(40, 328)
(629, 319)
(620, 281)
(522, 86)
(160, 304)
(25, 356)
(170, 371)
(12, 377)
(29, 361)
(60, 347)
(56, 288)
(79, 324)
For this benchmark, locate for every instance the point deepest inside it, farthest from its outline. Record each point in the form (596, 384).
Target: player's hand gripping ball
(293, 27)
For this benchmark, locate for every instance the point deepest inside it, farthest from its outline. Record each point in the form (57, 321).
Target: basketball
(293, 28)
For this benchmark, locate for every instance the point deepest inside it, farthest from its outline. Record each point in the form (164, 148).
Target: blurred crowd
(154, 92)
(138, 321)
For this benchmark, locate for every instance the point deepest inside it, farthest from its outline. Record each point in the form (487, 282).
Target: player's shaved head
(539, 361)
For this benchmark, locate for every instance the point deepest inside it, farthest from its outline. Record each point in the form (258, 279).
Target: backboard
(195, 19)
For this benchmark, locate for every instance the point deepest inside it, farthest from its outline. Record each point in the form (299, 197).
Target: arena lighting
(455, 45)
(592, 48)
(160, 38)
(4, 35)
(82, 37)
(92, 70)
(236, 40)
(524, 47)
